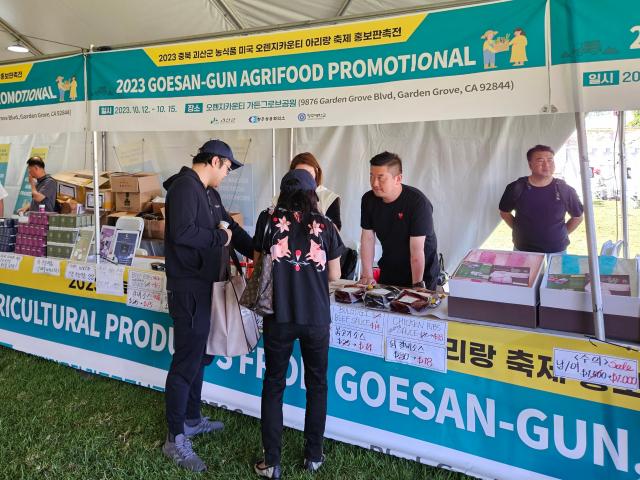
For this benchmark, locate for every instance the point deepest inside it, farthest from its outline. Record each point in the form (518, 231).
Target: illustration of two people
(67, 85)
(491, 46)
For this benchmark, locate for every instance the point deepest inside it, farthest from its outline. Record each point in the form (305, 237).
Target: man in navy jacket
(194, 243)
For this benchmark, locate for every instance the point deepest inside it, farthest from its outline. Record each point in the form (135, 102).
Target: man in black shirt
(402, 218)
(43, 187)
(197, 229)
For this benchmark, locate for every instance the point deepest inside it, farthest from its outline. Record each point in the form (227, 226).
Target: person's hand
(33, 182)
(366, 280)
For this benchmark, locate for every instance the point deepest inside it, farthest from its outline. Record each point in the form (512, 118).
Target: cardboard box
(135, 182)
(154, 229)
(158, 205)
(106, 200)
(134, 201)
(494, 303)
(74, 184)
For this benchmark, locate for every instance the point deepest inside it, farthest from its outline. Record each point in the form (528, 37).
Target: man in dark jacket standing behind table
(194, 242)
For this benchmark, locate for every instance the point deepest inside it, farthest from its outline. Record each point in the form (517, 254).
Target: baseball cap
(220, 149)
(297, 179)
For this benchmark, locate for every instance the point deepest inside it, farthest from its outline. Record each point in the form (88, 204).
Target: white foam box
(571, 311)
(494, 303)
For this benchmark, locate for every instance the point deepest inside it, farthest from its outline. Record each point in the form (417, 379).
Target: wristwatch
(419, 284)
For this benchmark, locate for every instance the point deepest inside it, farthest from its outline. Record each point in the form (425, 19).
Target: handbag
(258, 294)
(234, 329)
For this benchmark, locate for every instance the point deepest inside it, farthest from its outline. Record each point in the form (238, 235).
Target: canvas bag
(258, 294)
(234, 329)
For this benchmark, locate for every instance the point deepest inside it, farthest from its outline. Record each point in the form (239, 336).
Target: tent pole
(273, 161)
(96, 190)
(291, 144)
(623, 185)
(594, 267)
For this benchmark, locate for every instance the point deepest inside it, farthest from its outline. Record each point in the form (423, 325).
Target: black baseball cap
(220, 149)
(297, 179)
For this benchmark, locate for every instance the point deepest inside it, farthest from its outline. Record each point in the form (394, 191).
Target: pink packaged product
(39, 218)
(33, 230)
(32, 251)
(502, 267)
(31, 241)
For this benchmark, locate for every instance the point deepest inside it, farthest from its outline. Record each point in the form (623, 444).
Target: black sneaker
(181, 452)
(313, 467)
(267, 471)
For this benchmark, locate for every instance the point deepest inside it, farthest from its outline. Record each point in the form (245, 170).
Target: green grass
(605, 219)
(58, 424)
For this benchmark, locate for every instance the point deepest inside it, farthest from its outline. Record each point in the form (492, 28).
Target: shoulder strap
(519, 187)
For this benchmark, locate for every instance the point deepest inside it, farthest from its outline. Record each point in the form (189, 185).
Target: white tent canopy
(77, 24)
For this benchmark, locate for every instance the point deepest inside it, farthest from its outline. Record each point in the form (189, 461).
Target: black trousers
(191, 320)
(278, 345)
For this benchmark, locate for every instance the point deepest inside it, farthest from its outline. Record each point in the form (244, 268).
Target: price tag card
(417, 329)
(418, 354)
(84, 272)
(146, 280)
(144, 299)
(47, 266)
(596, 368)
(10, 261)
(109, 279)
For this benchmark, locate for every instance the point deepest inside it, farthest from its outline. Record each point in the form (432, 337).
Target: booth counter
(476, 398)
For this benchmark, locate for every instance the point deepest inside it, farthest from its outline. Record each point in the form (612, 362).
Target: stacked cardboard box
(8, 232)
(63, 233)
(134, 191)
(32, 236)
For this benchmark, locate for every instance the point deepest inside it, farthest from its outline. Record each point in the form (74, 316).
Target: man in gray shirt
(43, 187)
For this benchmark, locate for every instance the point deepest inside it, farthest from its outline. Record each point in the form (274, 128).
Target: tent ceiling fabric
(117, 22)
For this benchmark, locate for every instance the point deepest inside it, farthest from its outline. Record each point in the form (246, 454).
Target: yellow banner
(525, 358)
(15, 73)
(516, 357)
(4, 152)
(41, 152)
(335, 37)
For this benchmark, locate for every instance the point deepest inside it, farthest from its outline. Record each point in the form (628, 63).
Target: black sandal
(267, 471)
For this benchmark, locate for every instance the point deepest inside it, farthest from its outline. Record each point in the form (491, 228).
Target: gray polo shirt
(48, 187)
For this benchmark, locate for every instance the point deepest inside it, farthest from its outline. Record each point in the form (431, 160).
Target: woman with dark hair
(328, 201)
(305, 249)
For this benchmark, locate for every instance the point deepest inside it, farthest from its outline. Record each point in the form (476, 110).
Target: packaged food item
(380, 298)
(350, 293)
(415, 301)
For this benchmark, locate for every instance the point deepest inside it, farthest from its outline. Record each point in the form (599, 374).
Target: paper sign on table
(109, 279)
(144, 299)
(417, 329)
(596, 368)
(10, 261)
(418, 354)
(47, 266)
(146, 280)
(357, 329)
(83, 272)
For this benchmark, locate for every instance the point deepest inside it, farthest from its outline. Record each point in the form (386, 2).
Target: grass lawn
(58, 424)
(605, 216)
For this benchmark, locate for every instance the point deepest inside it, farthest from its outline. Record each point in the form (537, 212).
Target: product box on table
(40, 218)
(30, 241)
(33, 230)
(565, 296)
(59, 250)
(498, 287)
(72, 220)
(62, 235)
(31, 250)
(74, 184)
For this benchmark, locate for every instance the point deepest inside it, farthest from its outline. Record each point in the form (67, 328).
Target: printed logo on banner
(302, 117)
(601, 79)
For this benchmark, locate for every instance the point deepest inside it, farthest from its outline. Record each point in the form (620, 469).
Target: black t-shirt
(301, 247)
(540, 214)
(410, 215)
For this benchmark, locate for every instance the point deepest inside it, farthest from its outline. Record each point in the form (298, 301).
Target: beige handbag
(234, 329)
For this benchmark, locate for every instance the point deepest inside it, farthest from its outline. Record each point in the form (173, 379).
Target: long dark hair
(303, 201)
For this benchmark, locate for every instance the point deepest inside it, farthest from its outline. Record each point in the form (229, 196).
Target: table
(494, 408)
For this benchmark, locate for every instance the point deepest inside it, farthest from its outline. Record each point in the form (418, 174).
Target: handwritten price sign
(418, 354)
(596, 368)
